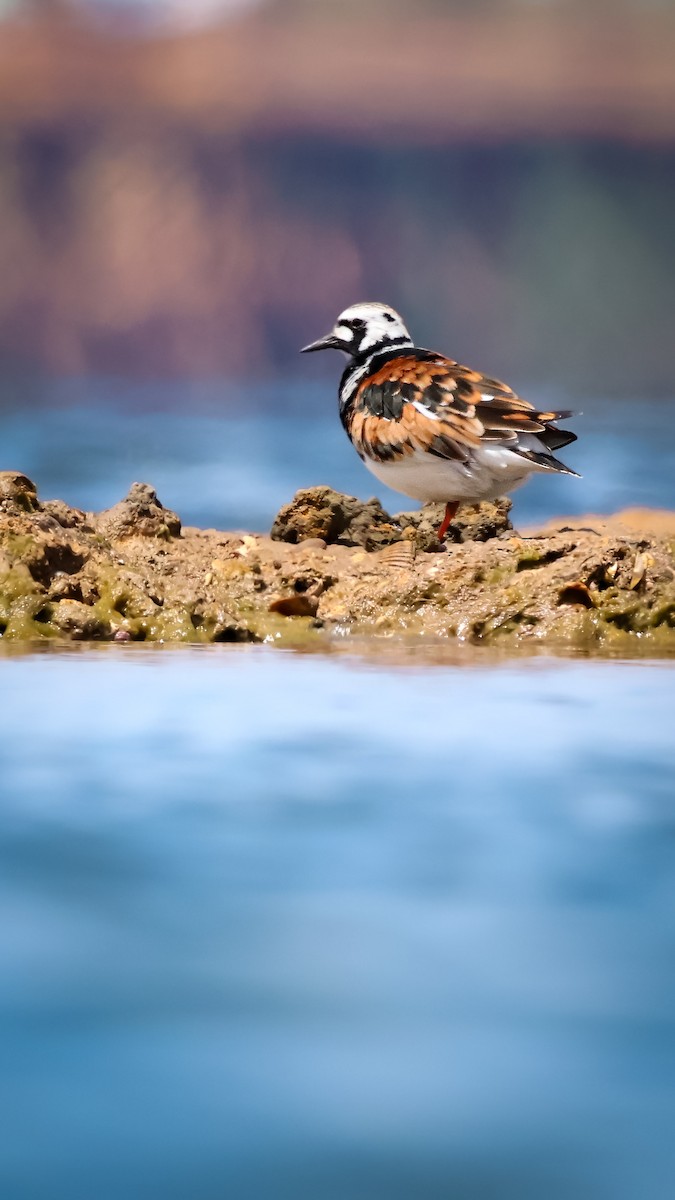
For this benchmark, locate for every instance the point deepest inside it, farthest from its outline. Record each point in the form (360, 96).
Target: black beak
(329, 342)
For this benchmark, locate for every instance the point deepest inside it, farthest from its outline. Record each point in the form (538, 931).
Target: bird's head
(363, 329)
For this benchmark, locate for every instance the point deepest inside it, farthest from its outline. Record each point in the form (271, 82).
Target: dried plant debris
(334, 567)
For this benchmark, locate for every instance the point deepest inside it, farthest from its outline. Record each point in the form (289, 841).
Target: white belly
(491, 472)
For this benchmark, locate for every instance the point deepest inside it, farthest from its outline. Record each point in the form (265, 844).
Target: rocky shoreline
(334, 566)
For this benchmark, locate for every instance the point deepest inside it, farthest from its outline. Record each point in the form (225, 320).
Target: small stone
(299, 605)
(18, 491)
(642, 563)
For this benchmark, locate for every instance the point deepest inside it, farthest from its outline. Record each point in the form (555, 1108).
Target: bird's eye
(358, 323)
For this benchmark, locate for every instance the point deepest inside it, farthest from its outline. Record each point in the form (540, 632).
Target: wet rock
(55, 555)
(139, 514)
(213, 623)
(63, 514)
(233, 632)
(32, 533)
(78, 621)
(322, 513)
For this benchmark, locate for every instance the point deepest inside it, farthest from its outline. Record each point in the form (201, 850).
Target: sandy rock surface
(334, 566)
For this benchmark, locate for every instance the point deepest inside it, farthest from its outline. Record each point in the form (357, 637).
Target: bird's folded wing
(434, 405)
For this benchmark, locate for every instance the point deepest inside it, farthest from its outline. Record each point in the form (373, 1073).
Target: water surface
(283, 925)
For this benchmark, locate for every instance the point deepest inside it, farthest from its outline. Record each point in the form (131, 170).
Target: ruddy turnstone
(430, 428)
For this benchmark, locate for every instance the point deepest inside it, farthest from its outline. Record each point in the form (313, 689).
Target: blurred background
(192, 189)
(276, 925)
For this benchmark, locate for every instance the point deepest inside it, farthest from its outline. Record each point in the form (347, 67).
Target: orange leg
(450, 514)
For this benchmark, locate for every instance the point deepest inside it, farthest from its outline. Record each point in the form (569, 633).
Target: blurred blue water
(282, 926)
(229, 456)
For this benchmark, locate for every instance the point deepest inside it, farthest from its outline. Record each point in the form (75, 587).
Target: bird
(430, 428)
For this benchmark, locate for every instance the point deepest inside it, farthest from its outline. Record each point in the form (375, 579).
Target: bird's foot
(450, 514)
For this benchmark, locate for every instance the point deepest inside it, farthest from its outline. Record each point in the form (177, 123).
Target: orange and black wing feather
(419, 401)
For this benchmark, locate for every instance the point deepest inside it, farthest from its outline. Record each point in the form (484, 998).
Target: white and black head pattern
(364, 329)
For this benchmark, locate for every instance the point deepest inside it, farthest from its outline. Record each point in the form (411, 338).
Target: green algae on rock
(334, 566)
